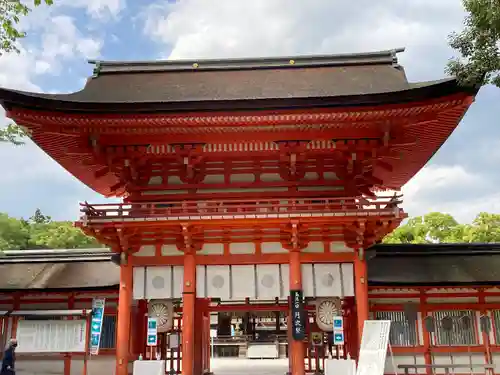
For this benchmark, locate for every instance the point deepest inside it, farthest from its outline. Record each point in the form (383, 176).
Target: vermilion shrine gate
(244, 181)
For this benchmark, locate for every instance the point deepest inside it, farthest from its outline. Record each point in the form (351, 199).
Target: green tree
(40, 232)
(12, 134)
(39, 218)
(485, 228)
(431, 228)
(14, 233)
(61, 235)
(11, 13)
(437, 227)
(478, 44)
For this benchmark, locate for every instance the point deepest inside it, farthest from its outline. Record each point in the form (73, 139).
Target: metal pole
(211, 347)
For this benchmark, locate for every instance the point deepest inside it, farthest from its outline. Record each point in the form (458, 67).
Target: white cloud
(98, 9)
(228, 28)
(62, 40)
(449, 189)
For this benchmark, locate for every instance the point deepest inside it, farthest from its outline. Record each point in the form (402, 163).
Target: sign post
(96, 324)
(213, 335)
(152, 339)
(298, 315)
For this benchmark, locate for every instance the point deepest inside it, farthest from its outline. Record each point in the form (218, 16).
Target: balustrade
(256, 208)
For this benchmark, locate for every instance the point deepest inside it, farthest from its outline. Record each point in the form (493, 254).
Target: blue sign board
(338, 323)
(152, 339)
(338, 338)
(96, 324)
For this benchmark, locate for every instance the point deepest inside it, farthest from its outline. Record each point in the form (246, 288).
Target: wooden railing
(233, 209)
(449, 369)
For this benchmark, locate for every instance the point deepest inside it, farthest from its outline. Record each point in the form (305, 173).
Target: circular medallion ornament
(267, 281)
(328, 280)
(326, 310)
(163, 311)
(218, 281)
(158, 282)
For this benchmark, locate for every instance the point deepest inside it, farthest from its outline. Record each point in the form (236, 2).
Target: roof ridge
(297, 61)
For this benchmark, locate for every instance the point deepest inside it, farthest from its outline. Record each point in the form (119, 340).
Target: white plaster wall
(100, 365)
(392, 363)
(496, 361)
(49, 366)
(242, 248)
(462, 359)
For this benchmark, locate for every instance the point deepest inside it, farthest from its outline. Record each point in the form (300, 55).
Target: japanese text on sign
(152, 338)
(297, 314)
(96, 324)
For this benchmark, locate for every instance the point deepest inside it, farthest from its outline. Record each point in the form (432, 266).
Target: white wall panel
(285, 281)
(268, 282)
(347, 273)
(308, 280)
(201, 282)
(243, 282)
(139, 283)
(158, 282)
(328, 281)
(178, 281)
(218, 282)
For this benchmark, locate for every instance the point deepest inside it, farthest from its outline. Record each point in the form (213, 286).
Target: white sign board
(374, 344)
(51, 336)
(340, 366)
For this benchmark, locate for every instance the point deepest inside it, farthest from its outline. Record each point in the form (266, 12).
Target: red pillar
(201, 307)
(123, 329)
(188, 314)
(361, 291)
(207, 338)
(296, 348)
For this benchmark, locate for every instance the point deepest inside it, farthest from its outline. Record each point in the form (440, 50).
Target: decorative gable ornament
(163, 311)
(326, 310)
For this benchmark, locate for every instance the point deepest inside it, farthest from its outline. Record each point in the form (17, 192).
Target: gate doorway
(249, 331)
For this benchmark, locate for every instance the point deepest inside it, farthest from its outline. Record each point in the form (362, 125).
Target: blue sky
(461, 179)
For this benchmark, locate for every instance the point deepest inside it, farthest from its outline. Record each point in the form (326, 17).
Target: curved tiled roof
(204, 99)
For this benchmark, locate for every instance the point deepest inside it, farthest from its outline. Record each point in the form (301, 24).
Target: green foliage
(12, 134)
(478, 44)
(437, 227)
(40, 232)
(11, 12)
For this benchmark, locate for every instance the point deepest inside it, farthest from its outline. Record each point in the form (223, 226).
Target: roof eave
(61, 103)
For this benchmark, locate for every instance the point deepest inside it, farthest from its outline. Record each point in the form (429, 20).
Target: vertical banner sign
(297, 310)
(152, 332)
(338, 330)
(96, 324)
